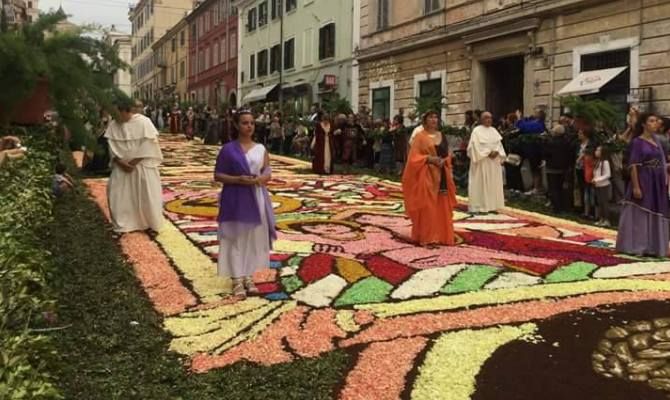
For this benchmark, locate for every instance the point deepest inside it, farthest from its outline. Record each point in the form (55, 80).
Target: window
(307, 48)
(276, 9)
(252, 67)
(232, 48)
(431, 6)
(289, 54)
(275, 58)
(382, 14)
(327, 41)
(174, 45)
(194, 31)
(209, 58)
(222, 53)
(217, 56)
(182, 70)
(431, 89)
(617, 90)
(182, 38)
(262, 14)
(251, 20)
(381, 103)
(291, 5)
(263, 63)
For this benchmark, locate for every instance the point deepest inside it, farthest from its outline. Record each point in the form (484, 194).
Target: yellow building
(171, 64)
(150, 20)
(504, 55)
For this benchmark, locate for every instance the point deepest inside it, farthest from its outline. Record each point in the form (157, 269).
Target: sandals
(251, 287)
(244, 286)
(238, 288)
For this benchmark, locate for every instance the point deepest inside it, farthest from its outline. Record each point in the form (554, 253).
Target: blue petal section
(275, 264)
(277, 296)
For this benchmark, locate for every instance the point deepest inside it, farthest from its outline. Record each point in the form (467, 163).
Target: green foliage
(79, 70)
(424, 104)
(457, 131)
(26, 203)
(337, 105)
(596, 112)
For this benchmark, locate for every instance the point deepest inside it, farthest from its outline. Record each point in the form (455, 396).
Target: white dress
(485, 183)
(135, 198)
(249, 252)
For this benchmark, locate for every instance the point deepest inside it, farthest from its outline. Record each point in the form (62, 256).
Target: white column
(356, 40)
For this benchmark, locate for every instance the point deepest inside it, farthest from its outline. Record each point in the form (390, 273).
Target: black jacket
(559, 153)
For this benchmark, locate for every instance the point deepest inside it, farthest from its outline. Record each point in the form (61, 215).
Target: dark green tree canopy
(79, 70)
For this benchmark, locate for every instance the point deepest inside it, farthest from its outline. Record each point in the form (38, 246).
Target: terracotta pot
(31, 110)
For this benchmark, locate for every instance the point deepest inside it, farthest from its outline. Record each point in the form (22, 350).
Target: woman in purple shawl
(246, 218)
(643, 225)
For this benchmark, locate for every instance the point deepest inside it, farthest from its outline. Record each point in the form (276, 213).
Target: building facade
(123, 43)
(15, 12)
(171, 56)
(150, 19)
(303, 48)
(505, 55)
(212, 73)
(32, 10)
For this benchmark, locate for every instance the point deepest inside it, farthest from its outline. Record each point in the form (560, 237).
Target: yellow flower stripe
(217, 334)
(293, 246)
(345, 320)
(501, 296)
(200, 322)
(259, 327)
(451, 367)
(197, 267)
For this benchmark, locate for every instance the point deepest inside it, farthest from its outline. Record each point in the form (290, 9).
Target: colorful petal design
(345, 275)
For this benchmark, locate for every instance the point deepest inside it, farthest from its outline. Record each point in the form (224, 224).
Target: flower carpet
(445, 323)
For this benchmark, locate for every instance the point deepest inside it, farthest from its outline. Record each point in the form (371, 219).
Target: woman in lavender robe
(246, 218)
(643, 226)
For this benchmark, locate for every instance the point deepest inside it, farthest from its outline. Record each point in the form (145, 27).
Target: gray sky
(103, 12)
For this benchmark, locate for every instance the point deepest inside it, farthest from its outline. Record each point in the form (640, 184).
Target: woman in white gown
(246, 219)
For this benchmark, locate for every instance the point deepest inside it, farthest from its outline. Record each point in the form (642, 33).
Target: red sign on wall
(330, 80)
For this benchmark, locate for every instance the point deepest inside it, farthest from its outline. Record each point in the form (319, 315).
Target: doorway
(504, 85)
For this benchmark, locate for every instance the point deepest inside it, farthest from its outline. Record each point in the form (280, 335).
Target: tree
(79, 70)
(337, 105)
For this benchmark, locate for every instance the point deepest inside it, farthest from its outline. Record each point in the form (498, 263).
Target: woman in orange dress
(428, 185)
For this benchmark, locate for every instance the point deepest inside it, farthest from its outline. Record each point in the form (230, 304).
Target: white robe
(485, 184)
(135, 198)
(248, 252)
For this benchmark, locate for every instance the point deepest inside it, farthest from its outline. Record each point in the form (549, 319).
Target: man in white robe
(486, 152)
(134, 191)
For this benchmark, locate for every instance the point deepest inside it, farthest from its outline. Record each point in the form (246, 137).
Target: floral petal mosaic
(344, 275)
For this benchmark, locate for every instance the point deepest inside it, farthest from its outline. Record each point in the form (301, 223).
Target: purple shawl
(238, 209)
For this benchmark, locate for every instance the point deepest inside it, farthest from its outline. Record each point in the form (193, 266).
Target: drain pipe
(552, 70)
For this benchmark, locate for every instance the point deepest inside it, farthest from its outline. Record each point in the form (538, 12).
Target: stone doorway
(504, 87)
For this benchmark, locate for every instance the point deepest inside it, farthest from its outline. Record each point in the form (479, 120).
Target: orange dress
(431, 212)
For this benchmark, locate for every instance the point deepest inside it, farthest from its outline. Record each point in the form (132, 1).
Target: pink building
(213, 53)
